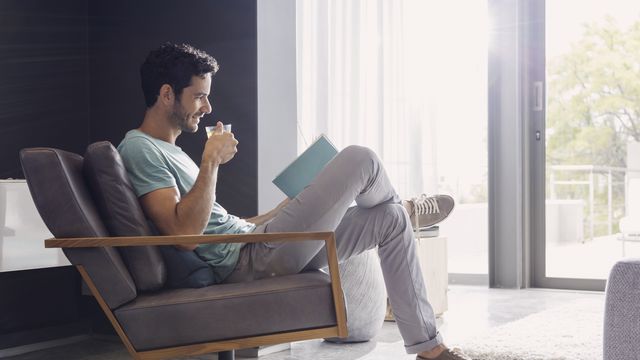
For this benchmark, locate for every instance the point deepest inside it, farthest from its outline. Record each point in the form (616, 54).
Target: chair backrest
(100, 184)
(63, 200)
(120, 210)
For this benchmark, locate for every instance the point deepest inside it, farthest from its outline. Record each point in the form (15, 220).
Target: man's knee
(359, 155)
(397, 217)
(359, 151)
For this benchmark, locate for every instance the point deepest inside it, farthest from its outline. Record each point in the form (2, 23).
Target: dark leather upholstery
(121, 212)
(226, 311)
(59, 192)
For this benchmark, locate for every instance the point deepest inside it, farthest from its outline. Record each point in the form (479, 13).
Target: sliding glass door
(585, 89)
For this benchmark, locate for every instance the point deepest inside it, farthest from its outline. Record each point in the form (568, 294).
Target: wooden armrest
(328, 237)
(185, 239)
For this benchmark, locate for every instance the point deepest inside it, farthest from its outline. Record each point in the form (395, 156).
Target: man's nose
(207, 107)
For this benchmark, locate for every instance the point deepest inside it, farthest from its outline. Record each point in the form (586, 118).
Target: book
(432, 231)
(304, 169)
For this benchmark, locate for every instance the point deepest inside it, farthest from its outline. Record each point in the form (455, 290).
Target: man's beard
(182, 119)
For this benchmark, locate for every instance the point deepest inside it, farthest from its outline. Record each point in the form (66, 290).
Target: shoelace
(425, 205)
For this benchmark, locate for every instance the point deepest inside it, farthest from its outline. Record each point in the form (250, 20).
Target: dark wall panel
(69, 76)
(122, 32)
(39, 305)
(43, 78)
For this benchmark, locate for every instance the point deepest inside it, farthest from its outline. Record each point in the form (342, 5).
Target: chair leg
(227, 355)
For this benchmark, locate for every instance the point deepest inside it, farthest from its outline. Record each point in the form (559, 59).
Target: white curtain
(386, 74)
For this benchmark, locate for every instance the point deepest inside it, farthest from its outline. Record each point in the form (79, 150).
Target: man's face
(192, 104)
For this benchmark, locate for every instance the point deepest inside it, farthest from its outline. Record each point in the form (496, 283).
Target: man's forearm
(194, 209)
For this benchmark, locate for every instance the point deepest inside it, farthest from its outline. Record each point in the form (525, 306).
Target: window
(409, 80)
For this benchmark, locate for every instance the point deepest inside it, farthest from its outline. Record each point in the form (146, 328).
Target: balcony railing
(591, 172)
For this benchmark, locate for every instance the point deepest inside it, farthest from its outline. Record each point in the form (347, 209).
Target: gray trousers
(379, 220)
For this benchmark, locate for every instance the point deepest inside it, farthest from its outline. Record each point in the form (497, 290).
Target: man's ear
(167, 96)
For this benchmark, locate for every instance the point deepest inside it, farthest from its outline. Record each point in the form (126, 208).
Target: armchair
(89, 206)
(621, 333)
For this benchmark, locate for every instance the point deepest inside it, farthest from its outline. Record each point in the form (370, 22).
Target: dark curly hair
(173, 65)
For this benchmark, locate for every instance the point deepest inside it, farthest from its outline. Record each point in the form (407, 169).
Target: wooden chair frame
(340, 330)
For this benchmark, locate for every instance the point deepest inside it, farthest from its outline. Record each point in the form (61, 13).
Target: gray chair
(622, 311)
(89, 206)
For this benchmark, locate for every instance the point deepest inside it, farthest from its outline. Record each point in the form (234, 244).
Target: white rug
(568, 332)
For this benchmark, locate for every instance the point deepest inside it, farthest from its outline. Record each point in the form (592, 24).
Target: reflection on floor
(591, 259)
(588, 259)
(473, 311)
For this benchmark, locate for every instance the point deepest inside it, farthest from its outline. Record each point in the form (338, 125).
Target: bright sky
(565, 19)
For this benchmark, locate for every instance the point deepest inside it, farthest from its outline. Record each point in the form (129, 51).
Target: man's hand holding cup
(221, 145)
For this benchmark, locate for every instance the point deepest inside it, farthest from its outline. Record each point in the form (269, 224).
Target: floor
(570, 253)
(473, 310)
(596, 257)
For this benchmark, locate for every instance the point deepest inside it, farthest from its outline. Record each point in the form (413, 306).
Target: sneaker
(448, 354)
(427, 211)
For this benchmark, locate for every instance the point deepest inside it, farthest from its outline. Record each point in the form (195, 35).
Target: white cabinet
(432, 253)
(22, 231)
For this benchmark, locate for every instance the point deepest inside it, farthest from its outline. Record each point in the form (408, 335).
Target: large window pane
(593, 129)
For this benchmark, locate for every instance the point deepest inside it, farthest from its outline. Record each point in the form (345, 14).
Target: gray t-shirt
(155, 164)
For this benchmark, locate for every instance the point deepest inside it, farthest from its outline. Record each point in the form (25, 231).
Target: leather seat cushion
(227, 311)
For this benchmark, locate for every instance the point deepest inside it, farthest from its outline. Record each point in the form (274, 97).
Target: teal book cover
(301, 172)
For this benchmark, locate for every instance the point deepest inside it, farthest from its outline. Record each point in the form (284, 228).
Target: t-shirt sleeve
(146, 166)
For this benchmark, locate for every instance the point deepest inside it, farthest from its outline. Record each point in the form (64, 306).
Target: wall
(69, 76)
(277, 111)
(122, 32)
(43, 102)
(43, 78)
(505, 149)
(56, 90)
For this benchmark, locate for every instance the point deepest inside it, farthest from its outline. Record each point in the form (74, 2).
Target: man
(179, 197)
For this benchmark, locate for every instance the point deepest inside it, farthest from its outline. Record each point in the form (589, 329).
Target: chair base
(227, 355)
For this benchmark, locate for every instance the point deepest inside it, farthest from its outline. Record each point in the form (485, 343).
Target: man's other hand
(284, 203)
